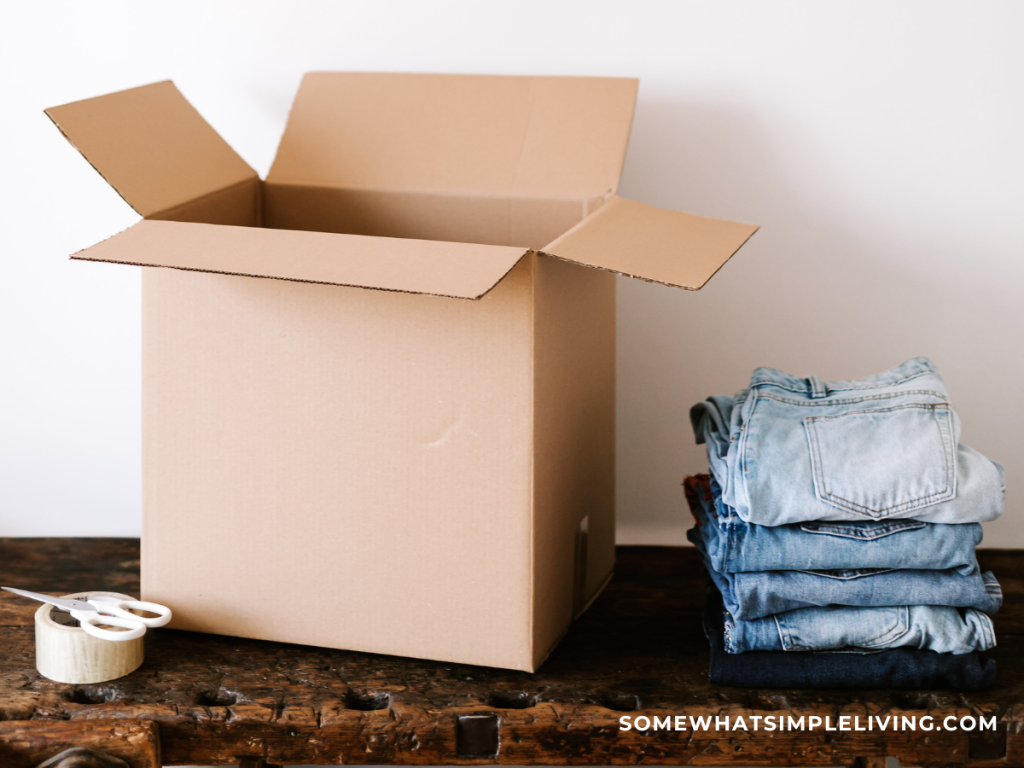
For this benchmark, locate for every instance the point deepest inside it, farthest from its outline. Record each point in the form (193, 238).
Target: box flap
(151, 146)
(552, 137)
(457, 270)
(654, 244)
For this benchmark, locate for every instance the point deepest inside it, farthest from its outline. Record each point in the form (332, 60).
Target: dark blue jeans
(896, 668)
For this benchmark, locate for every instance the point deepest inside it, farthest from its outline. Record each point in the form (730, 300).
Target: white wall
(877, 143)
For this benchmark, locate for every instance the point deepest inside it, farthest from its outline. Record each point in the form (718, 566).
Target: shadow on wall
(836, 284)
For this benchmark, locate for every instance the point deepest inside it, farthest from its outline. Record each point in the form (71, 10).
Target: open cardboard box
(404, 442)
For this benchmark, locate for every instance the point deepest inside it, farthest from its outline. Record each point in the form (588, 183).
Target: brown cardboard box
(404, 443)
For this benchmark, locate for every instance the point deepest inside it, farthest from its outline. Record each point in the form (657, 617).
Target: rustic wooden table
(201, 699)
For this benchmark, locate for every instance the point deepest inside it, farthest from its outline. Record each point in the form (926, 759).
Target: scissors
(97, 611)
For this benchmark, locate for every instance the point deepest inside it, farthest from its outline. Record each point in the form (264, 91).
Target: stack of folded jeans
(839, 526)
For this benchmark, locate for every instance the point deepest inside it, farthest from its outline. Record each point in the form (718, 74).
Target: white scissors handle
(93, 622)
(115, 606)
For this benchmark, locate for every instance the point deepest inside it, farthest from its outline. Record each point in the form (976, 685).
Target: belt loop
(817, 387)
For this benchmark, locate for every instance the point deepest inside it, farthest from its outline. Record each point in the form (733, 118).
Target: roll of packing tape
(66, 654)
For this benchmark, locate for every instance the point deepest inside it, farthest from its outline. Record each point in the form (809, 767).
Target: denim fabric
(734, 546)
(789, 450)
(895, 668)
(750, 596)
(926, 627)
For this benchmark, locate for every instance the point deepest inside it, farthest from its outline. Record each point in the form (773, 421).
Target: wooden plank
(639, 650)
(61, 566)
(27, 744)
(253, 762)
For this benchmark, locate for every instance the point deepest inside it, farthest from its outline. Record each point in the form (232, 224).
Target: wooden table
(208, 700)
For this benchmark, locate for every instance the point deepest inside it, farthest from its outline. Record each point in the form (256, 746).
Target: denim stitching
(893, 634)
(838, 501)
(727, 519)
(854, 400)
(875, 532)
(874, 385)
(888, 636)
(848, 574)
(726, 546)
(742, 446)
(992, 586)
(988, 630)
(784, 636)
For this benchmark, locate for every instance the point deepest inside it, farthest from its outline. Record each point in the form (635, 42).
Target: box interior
(513, 161)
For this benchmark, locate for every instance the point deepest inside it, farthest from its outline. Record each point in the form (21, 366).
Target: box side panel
(521, 222)
(574, 437)
(340, 467)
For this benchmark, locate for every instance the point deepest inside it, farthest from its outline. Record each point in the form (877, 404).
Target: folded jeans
(788, 450)
(735, 546)
(925, 627)
(750, 596)
(894, 668)
(754, 595)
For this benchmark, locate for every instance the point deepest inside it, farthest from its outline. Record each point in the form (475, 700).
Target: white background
(879, 145)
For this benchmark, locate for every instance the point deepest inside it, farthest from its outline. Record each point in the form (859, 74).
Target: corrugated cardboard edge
(649, 279)
(531, 663)
(91, 164)
(165, 212)
(608, 206)
(75, 257)
(79, 256)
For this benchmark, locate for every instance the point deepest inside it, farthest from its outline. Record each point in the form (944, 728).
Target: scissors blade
(63, 603)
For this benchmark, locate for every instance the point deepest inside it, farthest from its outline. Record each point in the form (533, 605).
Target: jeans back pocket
(884, 461)
(861, 531)
(849, 574)
(840, 628)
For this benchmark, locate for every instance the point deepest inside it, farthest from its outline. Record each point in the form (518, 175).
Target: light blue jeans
(789, 450)
(751, 596)
(734, 546)
(928, 627)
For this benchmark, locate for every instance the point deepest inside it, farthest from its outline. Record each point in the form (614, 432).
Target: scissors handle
(92, 623)
(115, 606)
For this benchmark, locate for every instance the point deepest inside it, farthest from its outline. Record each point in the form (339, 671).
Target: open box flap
(654, 244)
(457, 270)
(545, 137)
(152, 146)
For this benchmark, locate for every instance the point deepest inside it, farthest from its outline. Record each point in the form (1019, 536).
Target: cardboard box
(404, 442)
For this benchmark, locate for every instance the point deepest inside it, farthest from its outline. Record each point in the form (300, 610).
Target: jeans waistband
(814, 388)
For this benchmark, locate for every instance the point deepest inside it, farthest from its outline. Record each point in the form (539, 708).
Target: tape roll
(67, 654)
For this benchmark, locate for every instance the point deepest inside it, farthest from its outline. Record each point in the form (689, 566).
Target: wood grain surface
(638, 650)
(27, 744)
